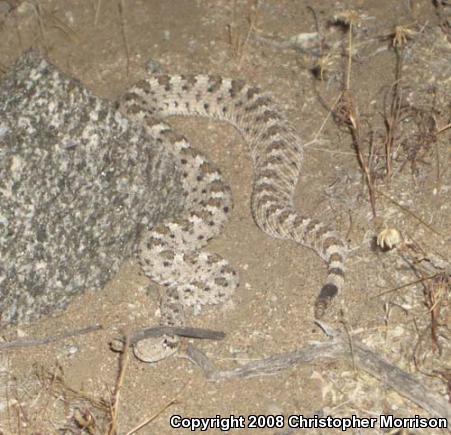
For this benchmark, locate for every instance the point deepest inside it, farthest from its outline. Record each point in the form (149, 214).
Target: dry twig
(156, 414)
(236, 40)
(124, 34)
(112, 430)
(20, 344)
(335, 349)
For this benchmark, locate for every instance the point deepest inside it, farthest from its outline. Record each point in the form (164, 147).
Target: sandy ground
(272, 310)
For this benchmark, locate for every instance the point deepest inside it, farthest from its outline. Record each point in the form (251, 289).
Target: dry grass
(46, 401)
(408, 135)
(238, 40)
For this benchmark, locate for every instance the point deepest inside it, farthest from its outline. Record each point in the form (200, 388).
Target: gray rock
(78, 182)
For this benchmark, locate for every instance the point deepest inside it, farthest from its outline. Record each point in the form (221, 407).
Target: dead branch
(336, 349)
(20, 344)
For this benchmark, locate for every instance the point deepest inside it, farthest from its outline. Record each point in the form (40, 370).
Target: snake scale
(171, 252)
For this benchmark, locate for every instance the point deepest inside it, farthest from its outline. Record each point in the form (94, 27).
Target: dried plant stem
(391, 123)
(97, 13)
(156, 414)
(335, 349)
(365, 164)
(120, 380)
(411, 213)
(352, 119)
(323, 124)
(124, 34)
(235, 40)
(409, 284)
(20, 344)
(38, 12)
(446, 127)
(394, 117)
(348, 73)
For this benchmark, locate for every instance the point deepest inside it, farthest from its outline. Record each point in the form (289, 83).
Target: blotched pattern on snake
(170, 253)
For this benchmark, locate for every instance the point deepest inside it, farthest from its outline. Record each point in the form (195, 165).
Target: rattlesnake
(170, 253)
